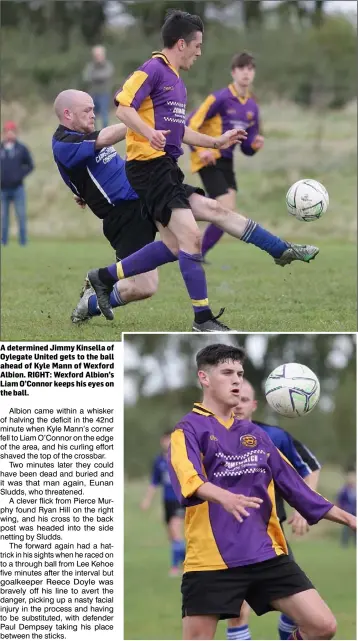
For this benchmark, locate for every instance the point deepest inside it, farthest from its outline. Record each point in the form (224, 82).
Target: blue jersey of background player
(308, 467)
(173, 512)
(347, 500)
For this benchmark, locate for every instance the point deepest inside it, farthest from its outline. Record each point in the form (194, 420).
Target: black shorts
(219, 178)
(159, 184)
(171, 509)
(128, 228)
(222, 592)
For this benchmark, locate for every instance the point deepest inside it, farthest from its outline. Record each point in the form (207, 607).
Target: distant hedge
(309, 66)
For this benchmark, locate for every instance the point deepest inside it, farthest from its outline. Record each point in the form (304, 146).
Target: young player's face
(190, 52)
(222, 382)
(83, 116)
(243, 76)
(247, 404)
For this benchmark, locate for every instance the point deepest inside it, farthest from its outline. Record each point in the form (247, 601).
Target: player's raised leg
(312, 615)
(249, 231)
(213, 233)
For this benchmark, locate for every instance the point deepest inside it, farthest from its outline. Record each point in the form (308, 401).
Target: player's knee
(329, 628)
(192, 242)
(148, 284)
(324, 629)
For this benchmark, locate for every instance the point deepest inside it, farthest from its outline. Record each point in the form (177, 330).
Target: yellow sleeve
(200, 115)
(186, 462)
(134, 90)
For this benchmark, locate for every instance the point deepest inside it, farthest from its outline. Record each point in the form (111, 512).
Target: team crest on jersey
(213, 438)
(249, 115)
(248, 440)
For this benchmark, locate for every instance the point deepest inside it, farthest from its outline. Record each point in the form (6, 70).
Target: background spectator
(98, 77)
(16, 164)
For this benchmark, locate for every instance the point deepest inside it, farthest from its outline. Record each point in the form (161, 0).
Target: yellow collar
(200, 409)
(159, 54)
(242, 100)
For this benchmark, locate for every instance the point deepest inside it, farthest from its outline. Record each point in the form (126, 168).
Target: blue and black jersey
(298, 454)
(160, 476)
(95, 175)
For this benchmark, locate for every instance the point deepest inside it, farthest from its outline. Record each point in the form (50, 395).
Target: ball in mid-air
(292, 390)
(307, 200)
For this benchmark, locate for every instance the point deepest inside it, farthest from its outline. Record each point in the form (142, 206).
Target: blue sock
(181, 551)
(285, 626)
(114, 299)
(257, 235)
(177, 553)
(241, 632)
(93, 308)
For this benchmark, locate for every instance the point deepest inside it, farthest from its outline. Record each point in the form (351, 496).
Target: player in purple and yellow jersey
(225, 472)
(152, 104)
(173, 511)
(230, 107)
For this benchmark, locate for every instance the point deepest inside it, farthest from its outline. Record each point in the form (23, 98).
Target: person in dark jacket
(16, 164)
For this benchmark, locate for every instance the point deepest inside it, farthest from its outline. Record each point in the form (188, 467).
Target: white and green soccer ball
(292, 390)
(307, 200)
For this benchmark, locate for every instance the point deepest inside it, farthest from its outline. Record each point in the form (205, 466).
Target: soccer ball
(292, 390)
(307, 200)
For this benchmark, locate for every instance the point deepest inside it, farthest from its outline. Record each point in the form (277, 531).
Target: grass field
(41, 282)
(152, 600)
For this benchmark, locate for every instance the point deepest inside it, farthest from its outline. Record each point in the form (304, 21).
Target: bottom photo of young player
(240, 486)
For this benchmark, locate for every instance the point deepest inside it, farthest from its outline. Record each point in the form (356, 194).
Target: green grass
(152, 600)
(41, 283)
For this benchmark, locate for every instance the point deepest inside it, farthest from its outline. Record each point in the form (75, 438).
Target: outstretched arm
(111, 135)
(337, 515)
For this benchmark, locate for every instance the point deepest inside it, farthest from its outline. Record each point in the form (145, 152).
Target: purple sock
(144, 260)
(195, 280)
(257, 235)
(212, 235)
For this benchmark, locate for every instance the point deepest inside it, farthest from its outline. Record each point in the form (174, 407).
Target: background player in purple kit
(225, 472)
(233, 106)
(152, 104)
(173, 511)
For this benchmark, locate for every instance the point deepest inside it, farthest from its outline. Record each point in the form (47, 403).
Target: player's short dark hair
(166, 433)
(219, 353)
(180, 24)
(243, 59)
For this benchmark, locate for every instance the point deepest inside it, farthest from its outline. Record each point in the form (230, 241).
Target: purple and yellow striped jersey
(223, 110)
(158, 94)
(237, 456)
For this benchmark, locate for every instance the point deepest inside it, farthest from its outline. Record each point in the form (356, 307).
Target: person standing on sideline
(16, 164)
(98, 76)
